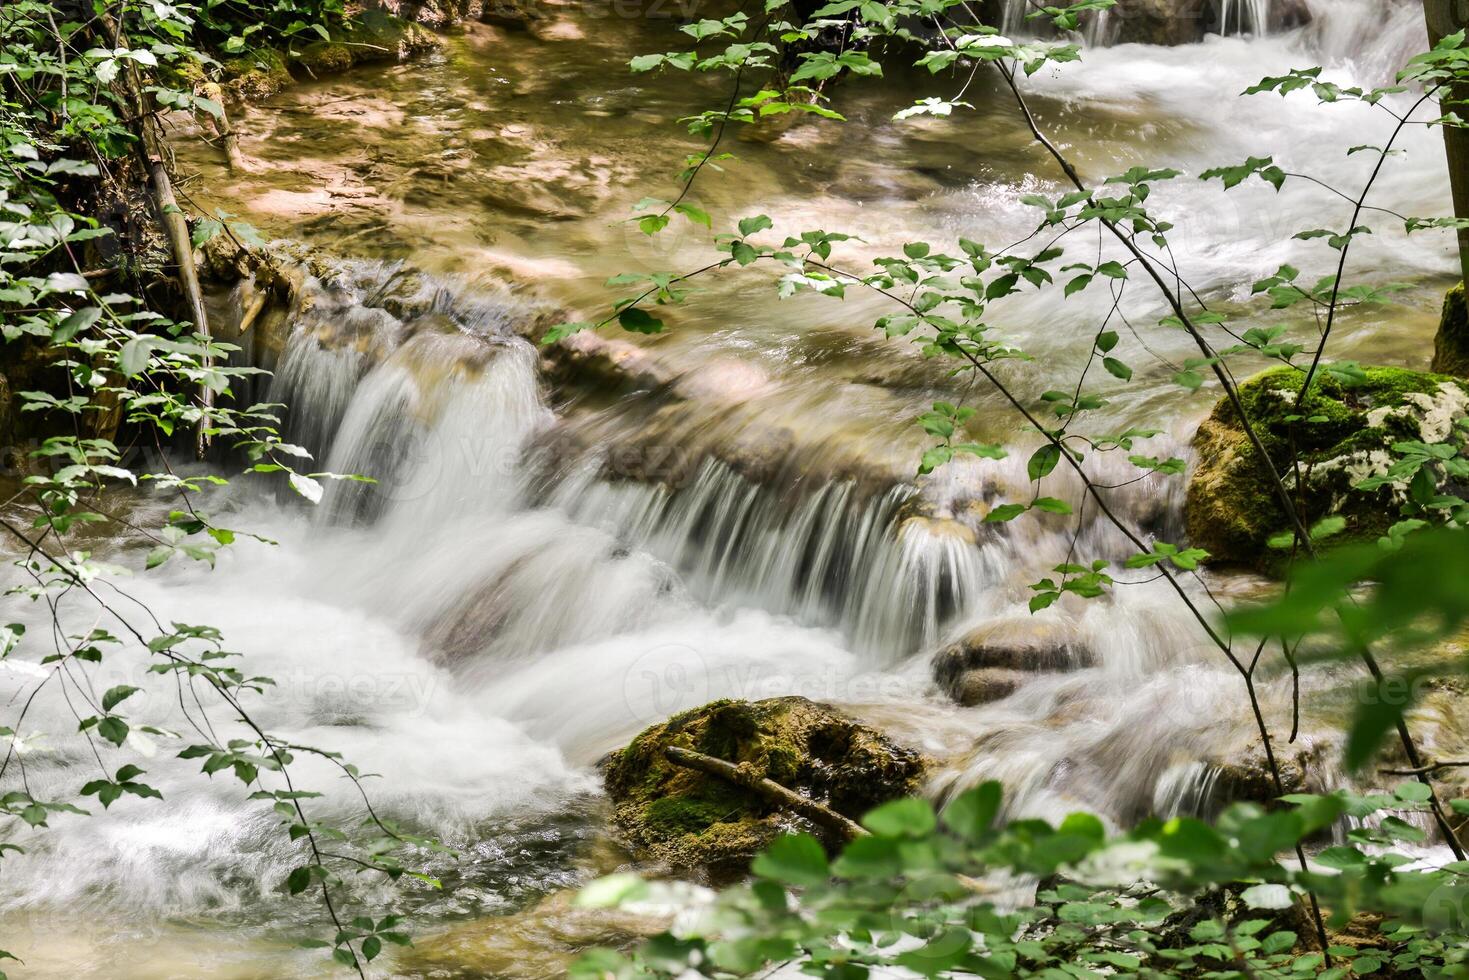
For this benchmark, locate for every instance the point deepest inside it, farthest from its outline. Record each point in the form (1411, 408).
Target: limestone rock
(1343, 435)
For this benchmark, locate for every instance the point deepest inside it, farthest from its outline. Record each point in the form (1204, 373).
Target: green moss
(325, 58)
(673, 815)
(256, 76)
(689, 819)
(1233, 507)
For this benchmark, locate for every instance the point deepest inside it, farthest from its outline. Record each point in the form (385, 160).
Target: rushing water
(543, 569)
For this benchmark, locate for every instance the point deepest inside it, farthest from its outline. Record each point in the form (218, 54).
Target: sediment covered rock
(692, 820)
(1342, 435)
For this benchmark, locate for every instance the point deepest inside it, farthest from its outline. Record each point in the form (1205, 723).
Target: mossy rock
(256, 76)
(691, 820)
(1343, 434)
(375, 36)
(1451, 343)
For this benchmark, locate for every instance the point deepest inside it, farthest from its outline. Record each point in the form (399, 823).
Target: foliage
(926, 893)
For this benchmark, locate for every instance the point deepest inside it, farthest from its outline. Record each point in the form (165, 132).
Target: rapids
(542, 570)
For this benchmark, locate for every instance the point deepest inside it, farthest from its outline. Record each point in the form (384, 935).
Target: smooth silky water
(507, 605)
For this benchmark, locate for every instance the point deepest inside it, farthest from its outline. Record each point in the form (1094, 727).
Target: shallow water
(506, 606)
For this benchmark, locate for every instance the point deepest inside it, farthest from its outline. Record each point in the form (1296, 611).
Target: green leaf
(298, 880)
(638, 320)
(749, 226)
(1117, 369)
(972, 813)
(694, 214)
(114, 729)
(1043, 461)
(908, 817)
(115, 696)
(652, 224)
(132, 360)
(795, 859)
(1051, 505)
(561, 331)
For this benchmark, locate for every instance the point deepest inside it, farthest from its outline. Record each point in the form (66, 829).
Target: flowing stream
(545, 568)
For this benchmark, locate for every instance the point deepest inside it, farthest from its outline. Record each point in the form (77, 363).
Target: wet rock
(690, 820)
(986, 684)
(517, 15)
(432, 13)
(589, 357)
(1248, 779)
(991, 661)
(1451, 343)
(539, 942)
(1159, 21)
(1346, 436)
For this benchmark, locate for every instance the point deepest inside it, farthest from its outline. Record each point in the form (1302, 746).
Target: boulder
(1343, 435)
(256, 76)
(991, 661)
(690, 820)
(1451, 343)
(375, 36)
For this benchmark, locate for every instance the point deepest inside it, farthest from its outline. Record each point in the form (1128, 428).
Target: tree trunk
(1446, 17)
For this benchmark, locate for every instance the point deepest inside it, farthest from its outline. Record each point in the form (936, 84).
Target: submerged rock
(1451, 343)
(1342, 435)
(533, 944)
(692, 820)
(992, 661)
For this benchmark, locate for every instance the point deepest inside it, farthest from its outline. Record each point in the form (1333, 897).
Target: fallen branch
(230, 142)
(745, 777)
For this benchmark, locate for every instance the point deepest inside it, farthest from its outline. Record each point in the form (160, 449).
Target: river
(545, 569)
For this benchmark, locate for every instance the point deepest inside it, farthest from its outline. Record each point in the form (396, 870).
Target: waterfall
(1100, 28)
(1244, 16)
